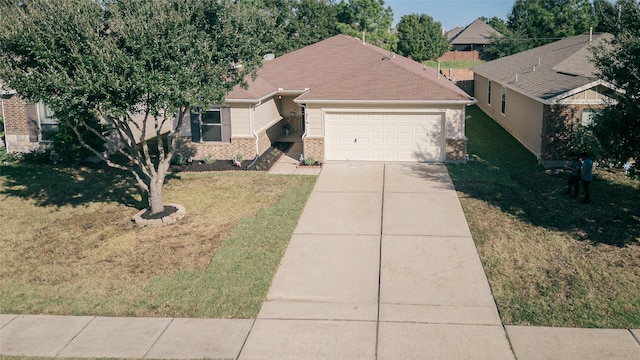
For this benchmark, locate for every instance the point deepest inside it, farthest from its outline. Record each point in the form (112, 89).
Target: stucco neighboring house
(347, 100)
(541, 95)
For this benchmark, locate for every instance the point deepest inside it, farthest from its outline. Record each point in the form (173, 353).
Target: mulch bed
(264, 162)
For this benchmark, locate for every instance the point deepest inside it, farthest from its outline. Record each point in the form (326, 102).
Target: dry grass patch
(74, 255)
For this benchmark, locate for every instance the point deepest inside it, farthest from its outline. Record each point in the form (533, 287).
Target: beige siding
(314, 121)
(150, 131)
(523, 117)
(265, 115)
(240, 121)
(454, 123)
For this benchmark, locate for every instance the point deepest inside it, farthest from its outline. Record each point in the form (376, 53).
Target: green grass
(451, 64)
(68, 245)
(236, 282)
(550, 260)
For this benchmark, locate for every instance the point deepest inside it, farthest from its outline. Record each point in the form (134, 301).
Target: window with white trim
(587, 117)
(489, 93)
(503, 110)
(47, 122)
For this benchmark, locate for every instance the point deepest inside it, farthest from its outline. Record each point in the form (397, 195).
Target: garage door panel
(384, 137)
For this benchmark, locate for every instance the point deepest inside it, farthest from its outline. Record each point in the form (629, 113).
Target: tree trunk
(155, 194)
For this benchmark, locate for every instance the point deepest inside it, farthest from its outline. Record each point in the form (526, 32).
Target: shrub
(37, 157)
(179, 159)
(9, 157)
(209, 159)
(309, 161)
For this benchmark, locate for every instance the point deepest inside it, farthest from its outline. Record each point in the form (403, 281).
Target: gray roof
(547, 72)
(453, 32)
(477, 33)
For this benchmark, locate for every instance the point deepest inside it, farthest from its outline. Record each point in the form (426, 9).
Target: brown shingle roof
(477, 33)
(341, 68)
(560, 67)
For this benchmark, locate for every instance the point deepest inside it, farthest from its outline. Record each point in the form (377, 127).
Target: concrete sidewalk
(381, 266)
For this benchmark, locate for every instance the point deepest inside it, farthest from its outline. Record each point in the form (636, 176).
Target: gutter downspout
(4, 126)
(252, 127)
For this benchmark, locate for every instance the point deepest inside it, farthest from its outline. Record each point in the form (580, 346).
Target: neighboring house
(467, 43)
(31, 126)
(348, 100)
(541, 95)
(27, 126)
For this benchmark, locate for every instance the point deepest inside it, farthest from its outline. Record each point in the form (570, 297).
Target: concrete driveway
(382, 263)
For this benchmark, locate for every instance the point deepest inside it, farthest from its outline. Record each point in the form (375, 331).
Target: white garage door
(384, 137)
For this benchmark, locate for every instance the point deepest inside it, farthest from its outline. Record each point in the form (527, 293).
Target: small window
(489, 93)
(587, 117)
(211, 125)
(48, 124)
(504, 101)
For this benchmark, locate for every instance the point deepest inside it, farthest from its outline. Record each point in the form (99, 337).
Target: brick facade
(456, 150)
(245, 146)
(314, 147)
(21, 132)
(223, 151)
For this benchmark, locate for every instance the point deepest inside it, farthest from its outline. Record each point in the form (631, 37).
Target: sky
(451, 13)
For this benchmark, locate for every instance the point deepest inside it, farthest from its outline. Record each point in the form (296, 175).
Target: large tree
(420, 37)
(369, 18)
(532, 23)
(545, 21)
(618, 62)
(138, 66)
(313, 21)
(498, 24)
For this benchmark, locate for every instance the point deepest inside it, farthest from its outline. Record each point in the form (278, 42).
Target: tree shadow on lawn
(537, 197)
(60, 185)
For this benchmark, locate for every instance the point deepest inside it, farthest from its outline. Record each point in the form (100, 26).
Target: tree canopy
(421, 38)
(532, 23)
(138, 66)
(618, 62)
(370, 17)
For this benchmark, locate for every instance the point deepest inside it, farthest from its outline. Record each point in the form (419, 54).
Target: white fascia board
(580, 89)
(389, 102)
(280, 91)
(7, 92)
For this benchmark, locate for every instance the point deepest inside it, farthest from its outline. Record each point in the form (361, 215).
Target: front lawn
(68, 246)
(550, 260)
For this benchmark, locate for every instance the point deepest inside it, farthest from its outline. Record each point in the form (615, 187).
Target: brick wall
(456, 150)
(314, 147)
(21, 133)
(223, 151)
(245, 146)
